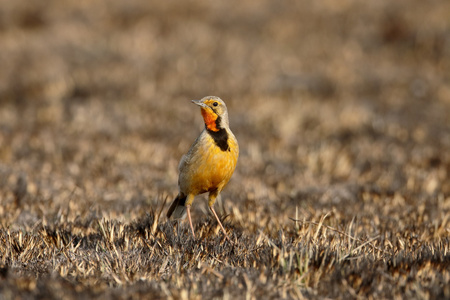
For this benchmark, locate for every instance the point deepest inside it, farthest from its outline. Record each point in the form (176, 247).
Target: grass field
(341, 110)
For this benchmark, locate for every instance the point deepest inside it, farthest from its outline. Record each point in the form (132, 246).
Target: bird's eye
(215, 103)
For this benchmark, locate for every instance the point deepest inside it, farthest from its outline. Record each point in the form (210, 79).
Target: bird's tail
(178, 208)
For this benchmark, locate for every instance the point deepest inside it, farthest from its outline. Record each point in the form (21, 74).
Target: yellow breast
(209, 167)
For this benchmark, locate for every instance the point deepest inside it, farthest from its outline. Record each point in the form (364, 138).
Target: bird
(209, 163)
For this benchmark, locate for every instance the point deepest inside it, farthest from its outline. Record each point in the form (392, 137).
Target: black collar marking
(220, 138)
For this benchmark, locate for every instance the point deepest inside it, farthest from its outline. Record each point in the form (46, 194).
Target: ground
(341, 110)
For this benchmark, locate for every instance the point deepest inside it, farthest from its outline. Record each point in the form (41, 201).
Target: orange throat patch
(210, 119)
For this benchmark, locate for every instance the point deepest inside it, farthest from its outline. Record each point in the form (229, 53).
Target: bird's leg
(188, 209)
(217, 218)
(213, 195)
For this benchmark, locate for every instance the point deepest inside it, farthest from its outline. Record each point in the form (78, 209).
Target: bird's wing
(187, 159)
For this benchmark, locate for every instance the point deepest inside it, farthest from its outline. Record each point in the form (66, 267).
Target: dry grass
(342, 189)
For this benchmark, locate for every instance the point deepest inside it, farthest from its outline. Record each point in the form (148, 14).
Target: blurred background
(329, 101)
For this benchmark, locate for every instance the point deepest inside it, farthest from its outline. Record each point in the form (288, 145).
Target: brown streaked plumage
(209, 163)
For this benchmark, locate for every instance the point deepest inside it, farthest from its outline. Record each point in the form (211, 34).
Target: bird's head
(214, 112)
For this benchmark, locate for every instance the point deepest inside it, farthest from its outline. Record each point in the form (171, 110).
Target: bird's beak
(199, 103)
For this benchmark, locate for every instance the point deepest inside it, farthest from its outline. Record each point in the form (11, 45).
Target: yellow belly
(209, 167)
